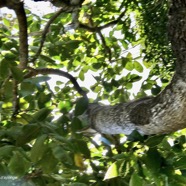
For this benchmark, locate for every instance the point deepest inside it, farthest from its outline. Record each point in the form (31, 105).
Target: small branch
(47, 71)
(113, 22)
(15, 100)
(45, 31)
(107, 49)
(99, 28)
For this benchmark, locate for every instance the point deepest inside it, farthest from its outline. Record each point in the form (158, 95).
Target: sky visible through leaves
(89, 77)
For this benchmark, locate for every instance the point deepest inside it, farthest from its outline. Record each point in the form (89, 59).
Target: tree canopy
(43, 123)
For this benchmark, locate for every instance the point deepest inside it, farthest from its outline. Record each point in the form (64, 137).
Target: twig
(99, 28)
(15, 99)
(107, 49)
(47, 71)
(45, 31)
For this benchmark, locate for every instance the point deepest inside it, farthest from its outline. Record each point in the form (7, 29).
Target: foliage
(41, 144)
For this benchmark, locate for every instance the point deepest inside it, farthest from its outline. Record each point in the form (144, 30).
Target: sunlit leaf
(112, 172)
(138, 67)
(79, 162)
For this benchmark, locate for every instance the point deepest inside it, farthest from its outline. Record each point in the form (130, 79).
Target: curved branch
(47, 71)
(45, 31)
(18, 7)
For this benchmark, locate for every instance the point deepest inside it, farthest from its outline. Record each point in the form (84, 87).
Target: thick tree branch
(18, 7)
(23, 36)
(47, 71)
(152, 115)
(177, 34)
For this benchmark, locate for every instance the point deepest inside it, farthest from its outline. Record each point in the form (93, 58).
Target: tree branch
(15, 99)
(47, 71)
(99, 28)
(18, 7)
(45, 31)
(23, 36)
(107, 49)
(162, 114)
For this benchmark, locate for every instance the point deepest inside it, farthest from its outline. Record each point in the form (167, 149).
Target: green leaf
(154, 140)
(135, 180)
(81, 106)
(35, 26)
(97, 65)
(41, 115)
(134, 78)
(112, 172)
(43, 99)
(62, 155)
(153, 160)
(82, 147)
(4, 68)
(38, 148)
(180, 163)
(6, 22)
(64, 106)
(48, 163)
(18, 165)
(78, 184)
(28, 133)
(39, 79)
(81, 75)
(129, 66)
(6, 151)
(76, 124)
(138, 67)
(27, 88)
(47, 59)
(17, 73)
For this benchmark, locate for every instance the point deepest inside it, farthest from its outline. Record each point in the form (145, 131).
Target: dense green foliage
(40, 145)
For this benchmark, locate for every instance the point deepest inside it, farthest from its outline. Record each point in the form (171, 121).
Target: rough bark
(152, 115)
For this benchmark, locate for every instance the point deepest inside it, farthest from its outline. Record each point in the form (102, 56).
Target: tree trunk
(152, 115)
